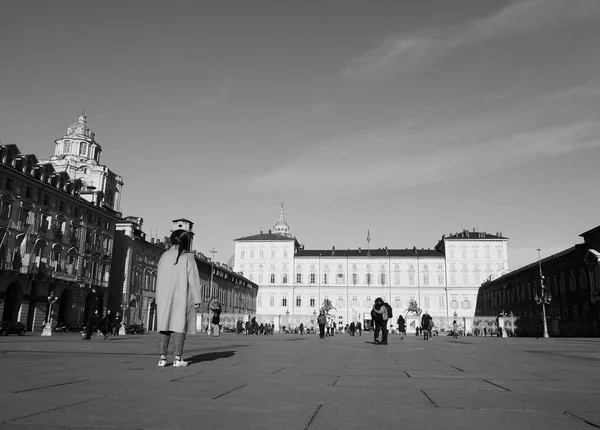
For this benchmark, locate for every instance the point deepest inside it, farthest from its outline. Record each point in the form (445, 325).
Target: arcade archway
(12, 304)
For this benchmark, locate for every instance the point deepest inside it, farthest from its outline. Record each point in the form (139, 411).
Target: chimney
(269, 231)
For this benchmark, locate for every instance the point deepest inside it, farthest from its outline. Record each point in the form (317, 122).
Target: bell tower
(187, 225)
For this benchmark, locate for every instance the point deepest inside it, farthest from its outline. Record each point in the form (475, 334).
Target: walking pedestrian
(178, 295)
(117, 324)
(216, 319)
(359, 328)
(401, 326)
(92, 313)
(454, 330)
(322, 321)
(108, 322)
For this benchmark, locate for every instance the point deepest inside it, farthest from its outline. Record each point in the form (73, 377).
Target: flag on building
(368, 235)
(415, 250)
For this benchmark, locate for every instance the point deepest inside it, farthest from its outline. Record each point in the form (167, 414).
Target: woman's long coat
(177, 290)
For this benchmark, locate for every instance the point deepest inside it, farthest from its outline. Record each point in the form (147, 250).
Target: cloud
(431, 150)
(380, 169)
(401, 51)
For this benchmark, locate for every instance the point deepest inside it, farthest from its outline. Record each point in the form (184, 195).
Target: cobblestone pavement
(300, 382)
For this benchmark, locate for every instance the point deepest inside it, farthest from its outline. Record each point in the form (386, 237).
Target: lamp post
(48, 326)
(544, 298)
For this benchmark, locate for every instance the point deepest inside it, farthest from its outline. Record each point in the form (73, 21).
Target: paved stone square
(300, 382)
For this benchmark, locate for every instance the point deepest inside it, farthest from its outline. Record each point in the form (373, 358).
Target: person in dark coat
(426, 326)
(92, 314)
(108, 321)
(117, 324)
(216, 318)
(401, 326)
(322, 321)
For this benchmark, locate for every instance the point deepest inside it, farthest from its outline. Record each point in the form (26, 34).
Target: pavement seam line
(496, 385)
(187, 376)
(279, 370)
(571, 414)
(407, 374)
(429, 398)
(54, 409)
(230, 391)
(51, 386)
(314, 415)
(454, 367)
(336, 379)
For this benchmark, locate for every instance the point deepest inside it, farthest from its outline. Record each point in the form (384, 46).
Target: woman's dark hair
(181, 238)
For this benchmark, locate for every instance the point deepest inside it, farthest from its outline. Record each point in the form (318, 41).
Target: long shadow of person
(210, 356)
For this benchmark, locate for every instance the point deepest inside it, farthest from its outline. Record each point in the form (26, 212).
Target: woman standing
(178, 295)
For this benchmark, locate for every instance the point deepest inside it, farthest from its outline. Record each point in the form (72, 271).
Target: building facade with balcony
(54, 242)
(571, 277)
(134, 272)
(294, 281)
(134, 269)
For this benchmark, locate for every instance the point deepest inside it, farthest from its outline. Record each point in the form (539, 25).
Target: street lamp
(544, 298)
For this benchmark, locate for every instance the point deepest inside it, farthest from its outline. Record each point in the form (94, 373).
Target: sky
(407, 119)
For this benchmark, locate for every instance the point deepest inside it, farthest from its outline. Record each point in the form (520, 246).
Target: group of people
(252, 328)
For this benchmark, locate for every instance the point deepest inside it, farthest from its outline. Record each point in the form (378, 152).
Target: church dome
(281, 227)
(80, 128)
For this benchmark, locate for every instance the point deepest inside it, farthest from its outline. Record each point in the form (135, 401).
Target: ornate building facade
(571, 278)
(134, 270)
(78, 154)
(295, 281)
(54, 241)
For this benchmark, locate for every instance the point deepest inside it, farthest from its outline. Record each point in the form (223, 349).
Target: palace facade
(294, 281)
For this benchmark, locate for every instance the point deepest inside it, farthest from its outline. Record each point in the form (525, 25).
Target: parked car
(8, 327)
(66, 327)
(135, 329)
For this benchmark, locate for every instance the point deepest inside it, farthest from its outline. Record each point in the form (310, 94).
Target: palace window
(298, 278)
(382, 278)
(440, 279)
(425, 278)
(284, 301)
(272, 301)
(354, 279)
(368, 279)
(325, 278)
(272, 278)
(411, 279)
(313, 278)
(83, 149)
(340, 278)
(441, 302)
(312, 301)
(285, 278)
(298, 301)
(397, 278)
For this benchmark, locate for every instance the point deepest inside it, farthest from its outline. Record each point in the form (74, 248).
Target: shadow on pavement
(210, 356)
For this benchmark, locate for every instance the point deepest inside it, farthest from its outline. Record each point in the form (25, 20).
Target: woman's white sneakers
(180, 363)
(163, 363)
